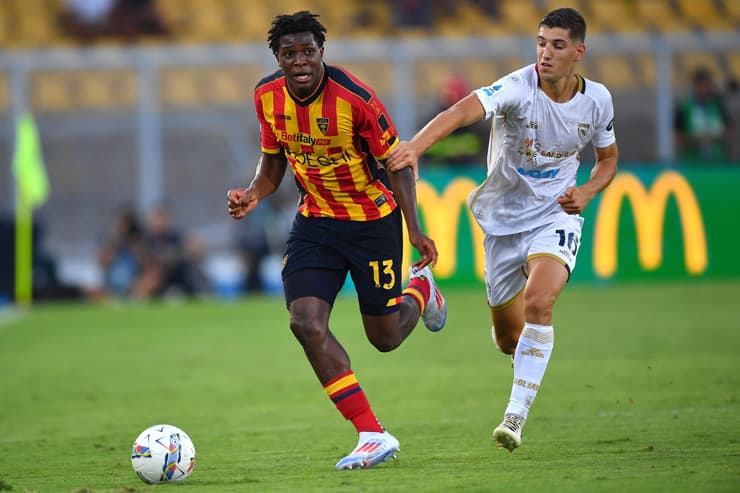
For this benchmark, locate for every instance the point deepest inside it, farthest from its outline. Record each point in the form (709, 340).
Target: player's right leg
(505, 283)
(309, 322)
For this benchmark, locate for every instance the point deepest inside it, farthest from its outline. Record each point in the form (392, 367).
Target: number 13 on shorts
(384, 267)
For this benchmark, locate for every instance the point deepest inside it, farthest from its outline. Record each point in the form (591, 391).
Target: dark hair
(569, 19)
(702, 74)
(300, 22)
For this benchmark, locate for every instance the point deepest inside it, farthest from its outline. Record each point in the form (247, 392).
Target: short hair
(569, 19)
(300, 22)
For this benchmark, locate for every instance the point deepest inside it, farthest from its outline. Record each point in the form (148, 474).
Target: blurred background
(145, 117)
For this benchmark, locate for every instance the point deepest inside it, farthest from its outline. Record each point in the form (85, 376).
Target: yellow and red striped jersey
(333, 141)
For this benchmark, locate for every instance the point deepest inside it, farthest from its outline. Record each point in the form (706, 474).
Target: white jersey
(534, 149)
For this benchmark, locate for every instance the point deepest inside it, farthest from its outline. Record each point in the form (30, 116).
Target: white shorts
(507, 256)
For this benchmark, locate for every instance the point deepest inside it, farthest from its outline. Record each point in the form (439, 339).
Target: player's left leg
(421, 297)
(374, 253)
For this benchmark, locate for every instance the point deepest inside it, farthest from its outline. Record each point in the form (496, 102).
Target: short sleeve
(604, 131)
(502, 95)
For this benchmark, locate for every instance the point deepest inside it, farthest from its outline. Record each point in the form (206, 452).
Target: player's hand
(574, 200)
(426, 248)
(241, 201)
(403, 156)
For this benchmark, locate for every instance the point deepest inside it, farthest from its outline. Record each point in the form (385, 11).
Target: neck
(561, 90)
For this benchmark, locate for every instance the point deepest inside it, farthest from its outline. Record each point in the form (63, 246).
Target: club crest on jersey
(583, 130)
(323, 124)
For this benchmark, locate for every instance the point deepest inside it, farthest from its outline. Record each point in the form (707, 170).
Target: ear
(580, 52)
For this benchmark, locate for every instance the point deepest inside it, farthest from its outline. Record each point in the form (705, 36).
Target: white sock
(530, 362)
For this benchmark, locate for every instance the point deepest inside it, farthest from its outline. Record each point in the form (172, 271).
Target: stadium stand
(205, 135)
(36, 23)
(93, 90)
(660, 16)
(706, 15)
(212, 86)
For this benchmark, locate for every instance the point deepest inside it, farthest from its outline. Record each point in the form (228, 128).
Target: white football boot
(372, 449)
(508, 434)
(435, 312)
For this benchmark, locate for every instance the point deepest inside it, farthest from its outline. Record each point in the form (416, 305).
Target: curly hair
(300, 22)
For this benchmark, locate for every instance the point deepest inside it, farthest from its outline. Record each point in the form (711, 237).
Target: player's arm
(404, 189)
(575, 199)
(461, 114)
(270, 172)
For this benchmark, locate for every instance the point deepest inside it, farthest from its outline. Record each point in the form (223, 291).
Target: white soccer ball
(163, 454)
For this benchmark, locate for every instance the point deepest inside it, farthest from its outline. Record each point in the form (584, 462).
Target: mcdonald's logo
(649, 207)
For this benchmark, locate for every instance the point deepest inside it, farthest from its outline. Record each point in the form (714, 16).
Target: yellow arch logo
(648, 208)
(441, 214)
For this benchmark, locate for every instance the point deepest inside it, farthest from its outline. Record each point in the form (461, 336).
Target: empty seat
(705, 15)
(659, 15)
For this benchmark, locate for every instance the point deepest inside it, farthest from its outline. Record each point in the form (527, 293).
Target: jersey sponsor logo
(538, 173)
(323, 124)
(280, 116)
(611, 125)
(649, 207)
(556, 154)
(302, 138)
(312, 160)
(531, 149)
(532, 125)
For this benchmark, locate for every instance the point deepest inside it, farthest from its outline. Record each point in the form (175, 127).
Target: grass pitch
(641, 395)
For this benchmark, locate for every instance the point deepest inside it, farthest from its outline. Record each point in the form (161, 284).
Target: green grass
(641, 395)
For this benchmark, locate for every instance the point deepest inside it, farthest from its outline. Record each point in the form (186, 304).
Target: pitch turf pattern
(641, 395)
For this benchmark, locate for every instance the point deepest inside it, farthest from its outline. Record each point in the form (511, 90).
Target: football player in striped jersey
(334, 134)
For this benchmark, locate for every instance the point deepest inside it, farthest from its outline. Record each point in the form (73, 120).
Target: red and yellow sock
(419, 289)
(345, 392)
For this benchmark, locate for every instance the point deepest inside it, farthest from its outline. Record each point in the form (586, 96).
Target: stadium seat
(733, 65)
(61, 91)
(197, 86)
(616, 72)
(520, 16)
(613, 16)
(660, 16)
(705, 15)
(731, 8)
(645, 66)
(468, 21)
(4, 93)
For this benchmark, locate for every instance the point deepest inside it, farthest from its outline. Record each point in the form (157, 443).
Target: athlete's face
(301, 60)
(557, 53)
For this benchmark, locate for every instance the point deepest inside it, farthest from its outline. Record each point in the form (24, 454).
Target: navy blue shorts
(321, 251)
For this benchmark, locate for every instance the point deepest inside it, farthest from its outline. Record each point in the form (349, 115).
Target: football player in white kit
(543, 115)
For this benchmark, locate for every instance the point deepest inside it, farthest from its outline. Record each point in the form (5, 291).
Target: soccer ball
(163, 454)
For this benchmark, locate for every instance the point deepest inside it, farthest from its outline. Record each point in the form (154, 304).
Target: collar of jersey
(315, 94)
